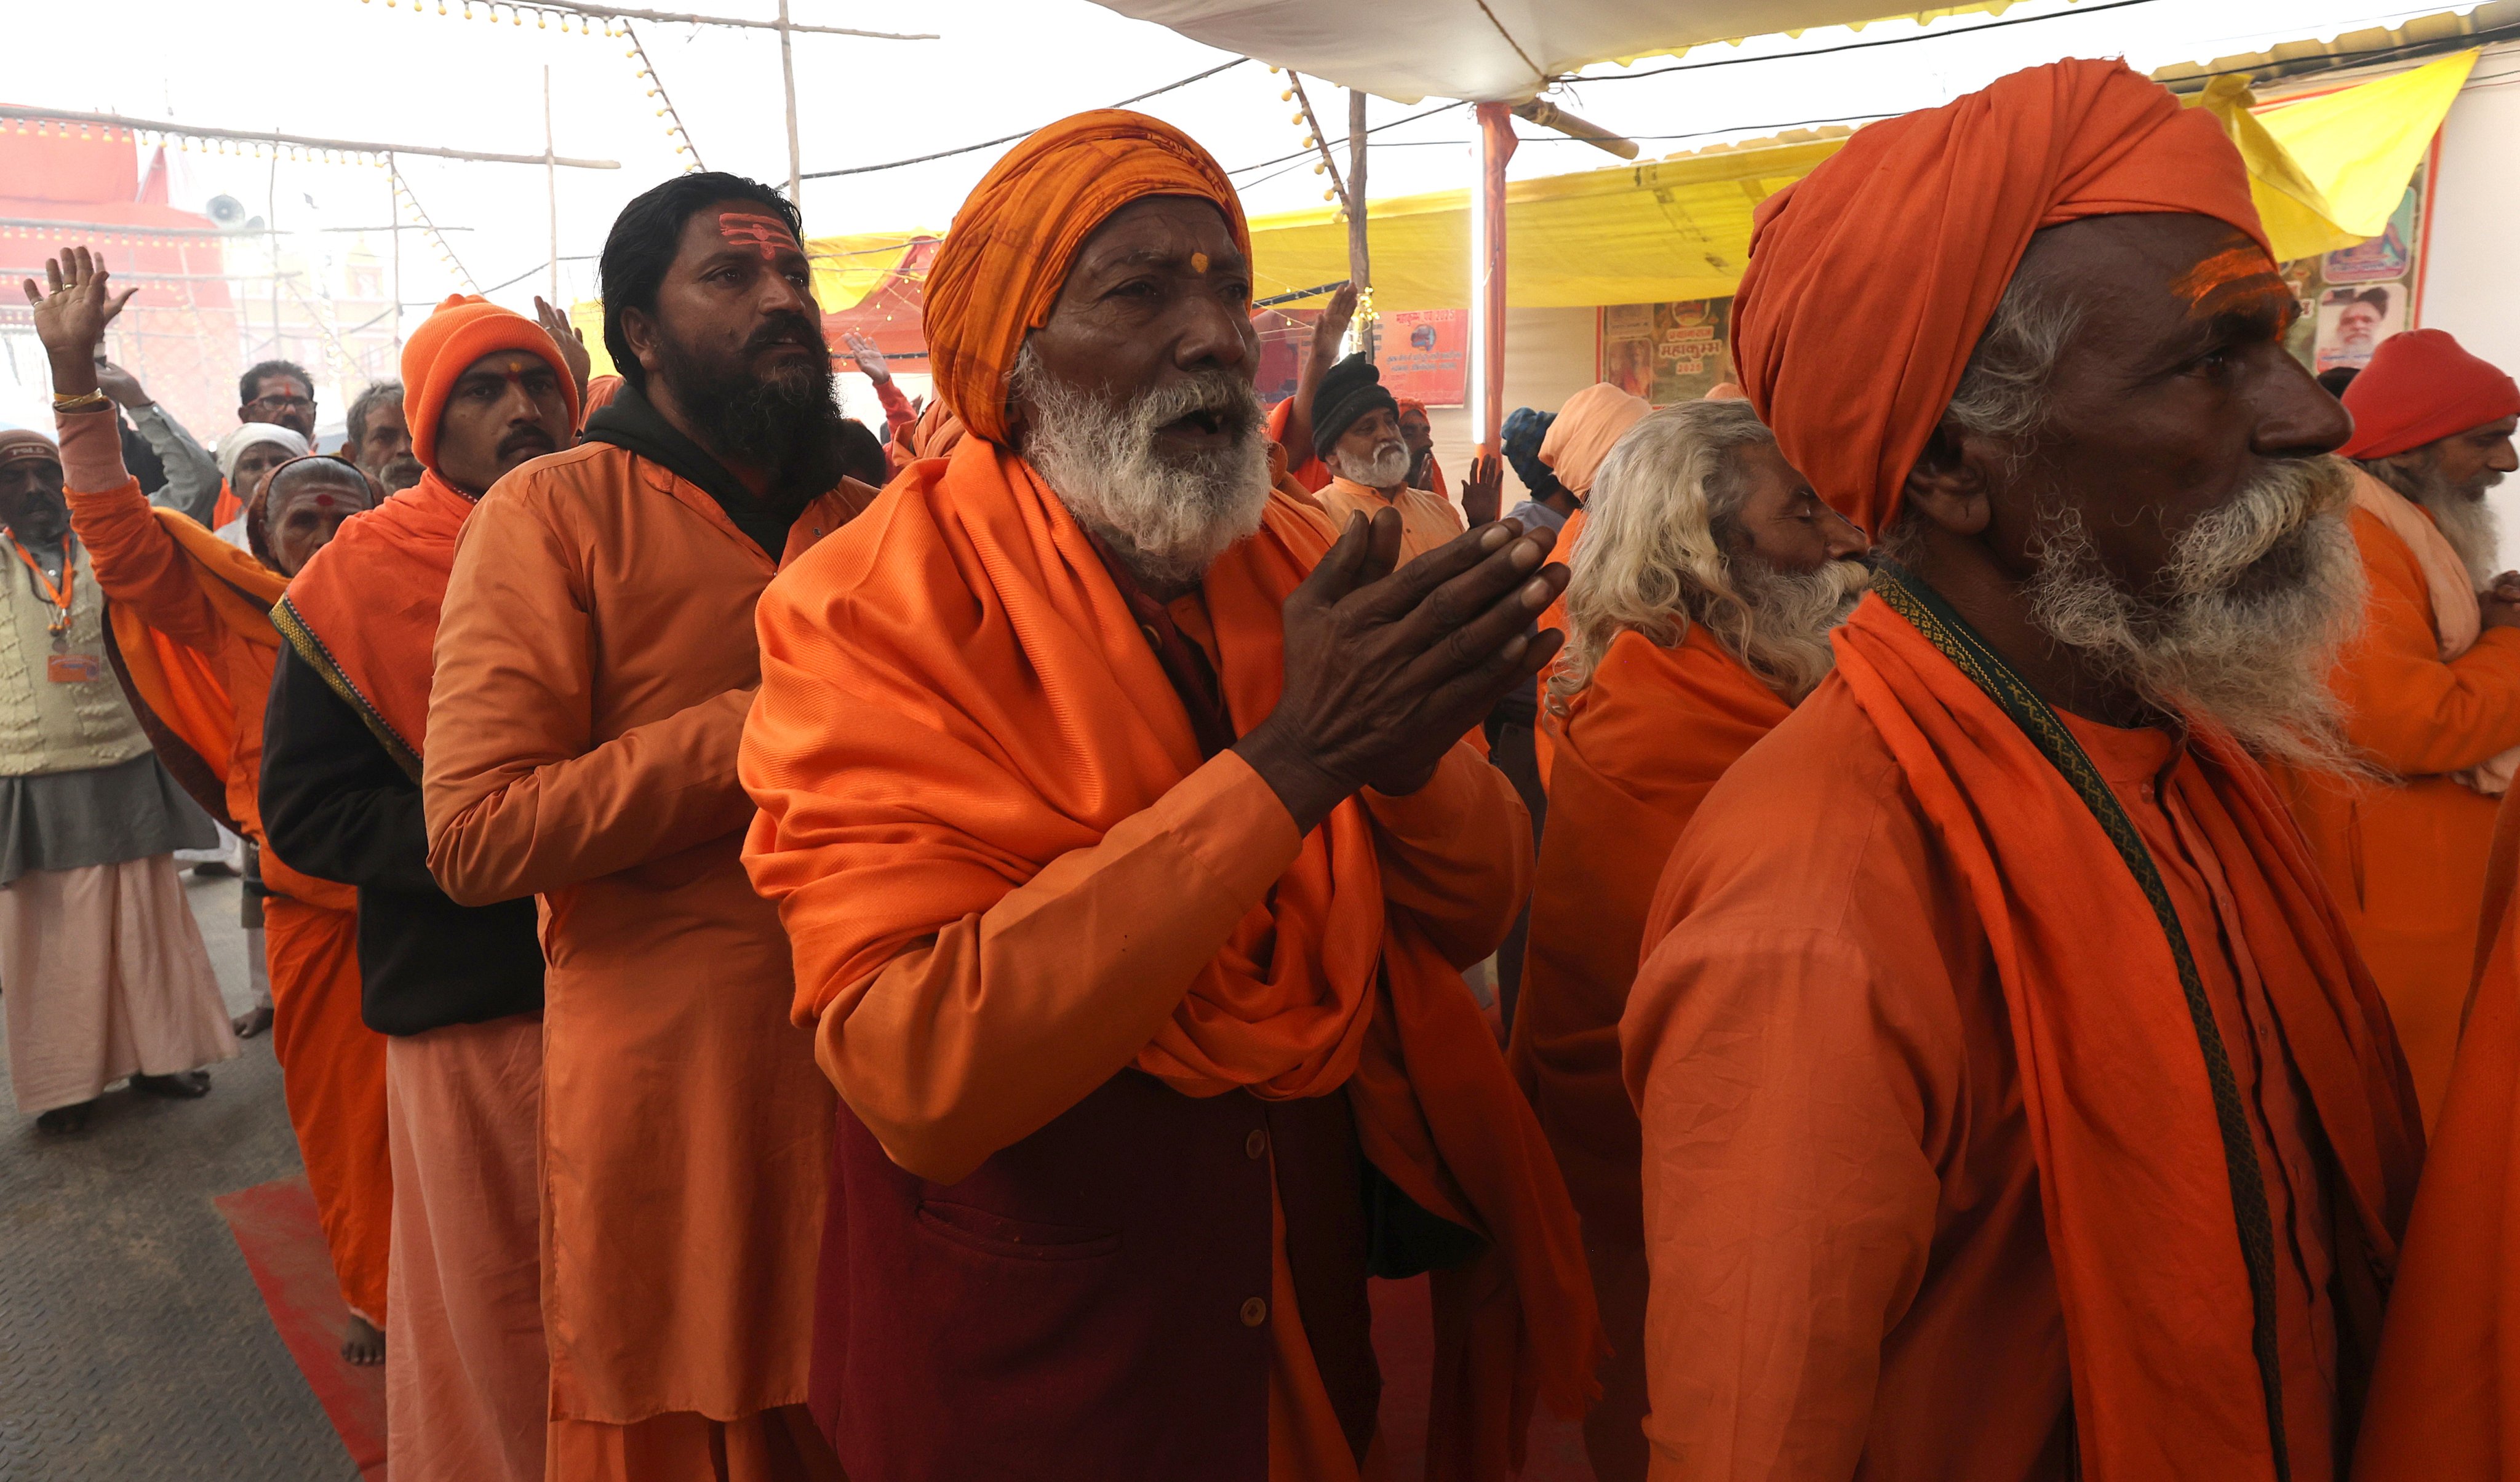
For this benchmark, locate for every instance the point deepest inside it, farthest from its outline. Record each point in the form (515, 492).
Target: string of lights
(588, 16)
(445, 250)
(252, 143)
(665, 109)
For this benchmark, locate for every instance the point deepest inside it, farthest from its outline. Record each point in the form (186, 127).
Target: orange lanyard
(59, 597)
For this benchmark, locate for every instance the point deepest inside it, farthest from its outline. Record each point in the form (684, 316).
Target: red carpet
(275, 1228)
(1404, 1341)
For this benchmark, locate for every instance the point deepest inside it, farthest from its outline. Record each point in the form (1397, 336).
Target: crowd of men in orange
(779, 979)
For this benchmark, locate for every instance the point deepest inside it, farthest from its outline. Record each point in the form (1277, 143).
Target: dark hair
(645, 238)
(2336, 379)
(376, 395)
(249, 385)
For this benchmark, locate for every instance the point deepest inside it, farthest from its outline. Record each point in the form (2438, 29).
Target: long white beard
(1780, 624)
(1388, 468)
(2470, 525)
(1167, 517)
(2243, 624)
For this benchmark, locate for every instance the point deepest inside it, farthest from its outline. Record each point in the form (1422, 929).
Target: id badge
(74, 668)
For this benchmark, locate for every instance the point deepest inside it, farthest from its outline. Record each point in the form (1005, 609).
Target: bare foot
(62, 1121)
(255, 1021)
(182, 1086)
(364, 1346)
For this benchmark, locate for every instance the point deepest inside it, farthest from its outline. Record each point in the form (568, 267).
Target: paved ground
(133, 1345)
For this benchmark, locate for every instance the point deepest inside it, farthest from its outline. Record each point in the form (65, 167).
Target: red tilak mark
(2239, 270)
(763, 234)
(323, 501)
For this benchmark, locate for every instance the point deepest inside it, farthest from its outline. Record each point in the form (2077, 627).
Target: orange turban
(1587, 426)
(1871, 278)
(999, 273)
(458, 332)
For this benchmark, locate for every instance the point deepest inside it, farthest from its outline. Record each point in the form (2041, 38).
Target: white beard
(2471, 527)
(1388, 468)
(1166, 518)
(2244, 623)
(1780, 623)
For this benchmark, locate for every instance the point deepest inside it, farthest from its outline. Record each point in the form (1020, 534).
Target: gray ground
(133, 1345)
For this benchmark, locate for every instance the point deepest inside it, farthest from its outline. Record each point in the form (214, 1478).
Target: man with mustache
(192, 639)
(595, 660)
(1123, 827)
(2014, 1103)
(379, 437)
(1698, 615)
(2430, 686)
(1356, 433)
(456, 990)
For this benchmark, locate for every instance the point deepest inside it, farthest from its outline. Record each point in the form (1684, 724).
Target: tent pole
(1487, 277)
(1360, 262)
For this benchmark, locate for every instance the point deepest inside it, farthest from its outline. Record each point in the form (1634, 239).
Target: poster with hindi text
(1667, 352)
(1424, 355)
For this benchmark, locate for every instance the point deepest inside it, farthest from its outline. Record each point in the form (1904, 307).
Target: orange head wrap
(2422, 386)
(460, 331)
(998, 275)
(1871, 278)
(1587, 426)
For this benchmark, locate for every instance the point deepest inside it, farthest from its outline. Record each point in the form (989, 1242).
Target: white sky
(356, 69)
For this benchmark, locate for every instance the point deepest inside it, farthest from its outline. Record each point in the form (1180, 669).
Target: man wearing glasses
(278, 391)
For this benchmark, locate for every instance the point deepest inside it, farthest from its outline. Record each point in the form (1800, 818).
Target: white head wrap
(232, 447)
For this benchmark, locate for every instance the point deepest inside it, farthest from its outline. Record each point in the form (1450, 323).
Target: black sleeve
(334, 802)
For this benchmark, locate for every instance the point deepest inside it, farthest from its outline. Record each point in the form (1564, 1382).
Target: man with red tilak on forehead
(191, 620)
(1118, 810)
(2014, 1103)
(595, 659)
(456, 990)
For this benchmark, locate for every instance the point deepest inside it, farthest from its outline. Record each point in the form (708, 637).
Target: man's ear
(638, 327)
(1949, 484)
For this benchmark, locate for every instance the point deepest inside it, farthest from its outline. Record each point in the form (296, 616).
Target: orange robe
(1308, 468)
(2445, 1403)
(2406, 859)
(1427, 521)
(1934, 1185)
(595, 659)
(193, 633)
(1020, 775)
(1639, 747)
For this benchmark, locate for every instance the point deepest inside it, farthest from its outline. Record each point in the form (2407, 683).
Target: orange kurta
(595, 659)
(1427, 520)
(1021, 773)
(195, 642)
(1933, 1182)
(2406, 858)
(2445, 1402)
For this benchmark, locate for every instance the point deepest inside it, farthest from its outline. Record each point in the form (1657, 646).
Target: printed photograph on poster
(1667, 352)
(2353, 320)
(1424, 355)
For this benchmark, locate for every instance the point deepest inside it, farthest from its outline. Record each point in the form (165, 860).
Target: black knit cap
(1352, 388)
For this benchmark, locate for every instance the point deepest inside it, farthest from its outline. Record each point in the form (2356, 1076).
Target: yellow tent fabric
(2327, 172)
(586, 316)
(848, 268)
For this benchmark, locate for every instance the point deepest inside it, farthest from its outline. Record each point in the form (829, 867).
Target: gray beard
(2243, 624)
(2469, 524)
(1778, 622)
(1388, 468)
(1167, 519)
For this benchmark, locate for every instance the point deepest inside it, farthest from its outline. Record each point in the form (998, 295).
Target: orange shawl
(1013, 712)
(2446, 1393)
(2132, 1178)
(364, 611)
(1638, 750)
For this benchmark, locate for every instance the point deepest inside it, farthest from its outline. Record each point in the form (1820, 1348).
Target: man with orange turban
(457, 990)
(1122, 827)
(2430, 686)
(192, 640)
(1699, 614)
(2014, 1103)
(595, 659)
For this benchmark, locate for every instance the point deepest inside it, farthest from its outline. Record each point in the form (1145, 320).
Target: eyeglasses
(283, 403)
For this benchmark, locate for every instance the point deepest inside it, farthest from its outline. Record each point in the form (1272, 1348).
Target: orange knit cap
(458, 332)
(999, 273)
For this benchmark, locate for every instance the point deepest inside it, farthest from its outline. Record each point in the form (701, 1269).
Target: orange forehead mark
(2239, 270)
(765, 234)
(1198, 262)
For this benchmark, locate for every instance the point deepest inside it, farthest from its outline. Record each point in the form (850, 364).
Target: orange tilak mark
(1198, 262)
(2240, 268)
(763, 234)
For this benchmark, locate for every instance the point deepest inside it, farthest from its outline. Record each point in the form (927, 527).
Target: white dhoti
(468, 1380)
(105, 976)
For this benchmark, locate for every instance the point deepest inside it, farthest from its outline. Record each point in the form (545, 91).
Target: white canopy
(1488, 49)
